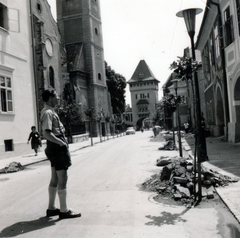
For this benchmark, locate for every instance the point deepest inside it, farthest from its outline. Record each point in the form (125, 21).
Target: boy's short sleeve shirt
(50, 121)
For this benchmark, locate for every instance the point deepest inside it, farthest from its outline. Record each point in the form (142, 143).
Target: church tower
(80, 25)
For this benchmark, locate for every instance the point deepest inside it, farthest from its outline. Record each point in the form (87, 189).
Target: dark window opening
(238, 14)
(99, 76)
(3, 100)
(237, 90)
(8, 145)
(3, 16)
(39, 8)
(51, 77)
(228, 27)
(96, 31)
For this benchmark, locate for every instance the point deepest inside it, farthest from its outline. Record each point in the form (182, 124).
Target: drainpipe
(34, 65)
(224, 71)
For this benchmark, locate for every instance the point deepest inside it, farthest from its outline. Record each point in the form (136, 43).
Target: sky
(149, 30)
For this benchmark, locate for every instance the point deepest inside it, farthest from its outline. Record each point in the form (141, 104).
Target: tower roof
(142, 73)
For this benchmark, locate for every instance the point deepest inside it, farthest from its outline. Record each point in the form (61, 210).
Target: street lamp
(175, 85)
(189, 16)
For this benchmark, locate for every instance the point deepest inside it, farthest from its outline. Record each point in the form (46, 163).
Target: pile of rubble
(12, 167)
(176, 180)
(169, 145)
(167, 138)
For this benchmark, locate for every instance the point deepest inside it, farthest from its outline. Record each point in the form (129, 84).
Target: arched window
(237, 90)
(51, 77)
(99, 76)
(39, 7)
(96, 31)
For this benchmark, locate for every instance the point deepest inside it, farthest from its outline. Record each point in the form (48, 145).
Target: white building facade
(230, 11)
(17, 101)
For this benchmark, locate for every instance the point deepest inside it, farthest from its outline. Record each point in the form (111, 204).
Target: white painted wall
(16, 62)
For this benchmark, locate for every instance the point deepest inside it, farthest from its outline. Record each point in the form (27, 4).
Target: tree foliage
(184, 67)
(69, 111)
(166, 107)
(116, 86)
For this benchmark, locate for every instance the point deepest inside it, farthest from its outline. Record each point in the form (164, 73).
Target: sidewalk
(224, 159)
(28, 159)
(32, 159)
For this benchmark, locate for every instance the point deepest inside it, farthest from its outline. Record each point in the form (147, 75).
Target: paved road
(104, 186)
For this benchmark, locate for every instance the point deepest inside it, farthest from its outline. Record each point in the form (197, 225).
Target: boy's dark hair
(33, 127)
(47, 94)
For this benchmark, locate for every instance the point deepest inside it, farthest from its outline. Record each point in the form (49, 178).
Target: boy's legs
(52, 189)
(62, 189)
(62, 193)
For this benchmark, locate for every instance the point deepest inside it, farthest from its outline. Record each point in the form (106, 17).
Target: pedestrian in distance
(58, 153)
(35, 140)
(186, 127)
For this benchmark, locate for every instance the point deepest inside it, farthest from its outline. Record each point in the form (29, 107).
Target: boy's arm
(51, 137)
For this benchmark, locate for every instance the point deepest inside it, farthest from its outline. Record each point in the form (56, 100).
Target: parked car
(130, 131)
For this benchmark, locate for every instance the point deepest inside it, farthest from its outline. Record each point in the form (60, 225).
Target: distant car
(130, 131)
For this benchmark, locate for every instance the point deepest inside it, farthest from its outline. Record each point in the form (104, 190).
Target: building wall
(80, 23)
(183, 106)
(16, 63)
(47, 50)
(213, 78)
(232, 58)
(150, 90)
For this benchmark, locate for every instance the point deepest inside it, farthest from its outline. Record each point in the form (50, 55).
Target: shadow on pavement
(20, 228)
(224, 155)
(166, 219)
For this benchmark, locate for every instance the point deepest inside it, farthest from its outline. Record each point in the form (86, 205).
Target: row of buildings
(37, 53)
(218, 50)
(218, 42)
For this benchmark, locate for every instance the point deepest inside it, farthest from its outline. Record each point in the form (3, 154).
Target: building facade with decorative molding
(230, 12)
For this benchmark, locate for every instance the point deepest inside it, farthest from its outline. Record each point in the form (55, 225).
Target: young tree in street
(69, 111)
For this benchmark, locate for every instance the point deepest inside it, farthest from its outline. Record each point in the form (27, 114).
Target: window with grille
(238, 14)
(228, 27)
(6, 99)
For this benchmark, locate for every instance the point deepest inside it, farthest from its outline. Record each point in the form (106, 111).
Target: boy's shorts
(59, 156)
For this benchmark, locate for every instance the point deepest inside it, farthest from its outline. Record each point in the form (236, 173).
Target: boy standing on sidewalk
(58, 154)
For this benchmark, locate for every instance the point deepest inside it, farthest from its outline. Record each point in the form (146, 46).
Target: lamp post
(189, 16)
(175, 84)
